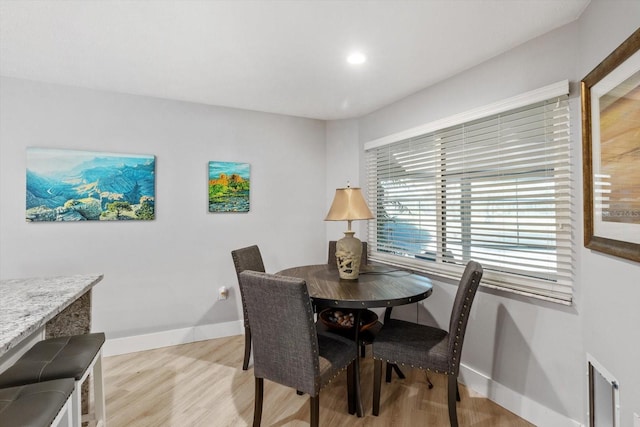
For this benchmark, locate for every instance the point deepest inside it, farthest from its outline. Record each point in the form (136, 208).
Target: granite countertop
(28, 304)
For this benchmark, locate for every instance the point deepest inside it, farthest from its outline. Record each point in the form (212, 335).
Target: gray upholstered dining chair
(289, 352)
(248, 258)
(427, 347)
(331, 259)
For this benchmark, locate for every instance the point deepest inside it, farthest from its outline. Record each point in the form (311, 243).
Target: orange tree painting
(229, 184)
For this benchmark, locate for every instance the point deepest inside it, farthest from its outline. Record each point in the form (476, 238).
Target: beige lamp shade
(348, 204)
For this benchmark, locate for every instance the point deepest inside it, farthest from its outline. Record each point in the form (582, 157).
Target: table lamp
(348, 205)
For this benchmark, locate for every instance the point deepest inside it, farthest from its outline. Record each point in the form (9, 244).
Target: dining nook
(326, 213)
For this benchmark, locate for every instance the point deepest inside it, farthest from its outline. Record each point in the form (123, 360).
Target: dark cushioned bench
(35, 405)
(63, 357)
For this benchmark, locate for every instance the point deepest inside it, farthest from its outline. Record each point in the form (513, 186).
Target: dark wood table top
(377, 286)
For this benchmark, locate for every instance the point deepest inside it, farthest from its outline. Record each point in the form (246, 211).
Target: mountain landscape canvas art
(229, 184)
(71, 185)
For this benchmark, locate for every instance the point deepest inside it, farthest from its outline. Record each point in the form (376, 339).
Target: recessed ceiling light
(356, 58)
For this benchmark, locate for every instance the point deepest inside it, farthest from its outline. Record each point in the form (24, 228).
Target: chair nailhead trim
(437, 371)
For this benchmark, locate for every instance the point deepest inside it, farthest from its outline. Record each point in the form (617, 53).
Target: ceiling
(284, 57)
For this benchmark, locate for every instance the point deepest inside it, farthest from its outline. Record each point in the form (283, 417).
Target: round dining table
(377, 286)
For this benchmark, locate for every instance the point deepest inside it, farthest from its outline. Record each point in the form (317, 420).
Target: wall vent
(604, 396)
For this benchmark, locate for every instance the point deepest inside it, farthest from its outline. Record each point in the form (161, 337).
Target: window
(495, 189)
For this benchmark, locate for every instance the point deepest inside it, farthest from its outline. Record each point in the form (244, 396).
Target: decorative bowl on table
(343, 319)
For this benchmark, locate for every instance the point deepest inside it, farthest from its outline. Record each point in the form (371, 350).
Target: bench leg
(76, 405)
(98, 395)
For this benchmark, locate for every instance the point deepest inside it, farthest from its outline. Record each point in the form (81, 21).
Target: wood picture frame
(611, 152)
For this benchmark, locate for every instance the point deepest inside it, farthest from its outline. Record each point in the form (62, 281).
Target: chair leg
(351, 395)
(247, 348)
(394, 367)
(377, 380)
(257, 411)
(314, 403)
(457, 392)
(388, 373)
(363, 350)
(398, 371)
(452, 387)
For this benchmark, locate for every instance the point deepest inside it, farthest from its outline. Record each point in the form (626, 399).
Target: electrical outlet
(636, 420)
(223, 293)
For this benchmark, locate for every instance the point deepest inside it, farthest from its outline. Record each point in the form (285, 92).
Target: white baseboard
(116, 346)
(520, 405)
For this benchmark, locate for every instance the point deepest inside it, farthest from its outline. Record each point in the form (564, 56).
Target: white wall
(610, 285)
(164, 274)
(529, 355)
(343, 167)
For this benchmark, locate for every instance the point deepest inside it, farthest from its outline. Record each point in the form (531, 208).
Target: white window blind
(495, 189)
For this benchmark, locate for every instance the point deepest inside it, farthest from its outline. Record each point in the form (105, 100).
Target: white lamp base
(348, 255)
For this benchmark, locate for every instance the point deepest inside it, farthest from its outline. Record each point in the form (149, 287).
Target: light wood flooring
(203, 384)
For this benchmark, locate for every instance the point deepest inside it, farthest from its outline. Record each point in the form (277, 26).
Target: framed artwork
(611, 152)
(71, 185)
(229, 185)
